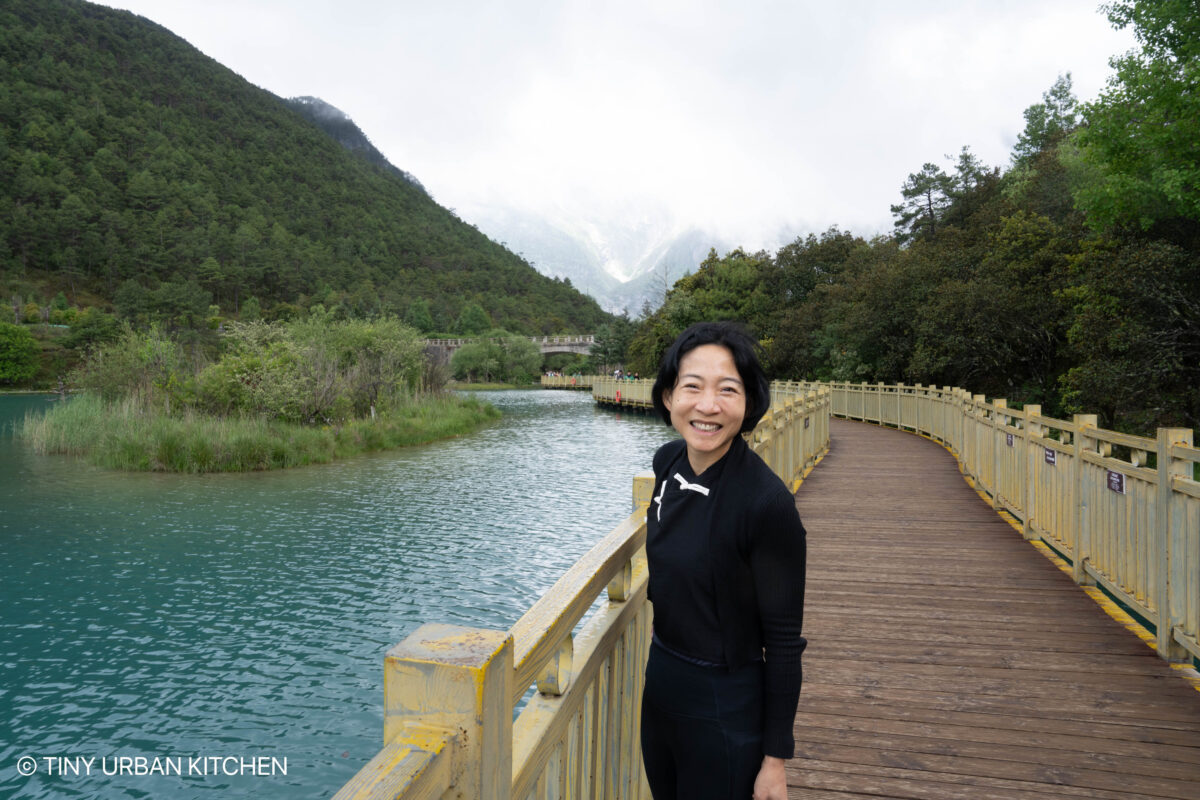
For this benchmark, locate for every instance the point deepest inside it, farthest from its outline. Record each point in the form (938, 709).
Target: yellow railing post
(975, 461)
(643, 489)
(1083, 544)
(1030, 430)
(999, 421)
(1170, 541)
(459, 679)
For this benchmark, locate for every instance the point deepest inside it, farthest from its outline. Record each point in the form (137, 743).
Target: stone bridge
(579, 344)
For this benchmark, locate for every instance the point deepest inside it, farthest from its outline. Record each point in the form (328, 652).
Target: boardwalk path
(951, 659)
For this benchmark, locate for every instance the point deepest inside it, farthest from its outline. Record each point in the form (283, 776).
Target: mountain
(136, 170)
(622, 263)
(338, 124)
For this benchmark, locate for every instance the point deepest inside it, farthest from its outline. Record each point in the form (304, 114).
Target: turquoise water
(199, 618)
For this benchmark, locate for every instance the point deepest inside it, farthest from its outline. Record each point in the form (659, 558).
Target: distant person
(726, 551)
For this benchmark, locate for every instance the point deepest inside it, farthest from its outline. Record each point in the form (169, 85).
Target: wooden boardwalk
(951, 659)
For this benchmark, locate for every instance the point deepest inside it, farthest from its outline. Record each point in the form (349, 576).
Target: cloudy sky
(742, 116)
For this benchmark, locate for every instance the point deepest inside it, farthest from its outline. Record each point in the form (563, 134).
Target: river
(194, 619)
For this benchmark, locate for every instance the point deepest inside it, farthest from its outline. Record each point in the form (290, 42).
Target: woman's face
(707, 403)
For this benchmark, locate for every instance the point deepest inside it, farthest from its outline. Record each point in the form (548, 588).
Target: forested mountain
(135, 170)
(337, 124)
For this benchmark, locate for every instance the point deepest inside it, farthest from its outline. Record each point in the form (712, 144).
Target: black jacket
(757, 549)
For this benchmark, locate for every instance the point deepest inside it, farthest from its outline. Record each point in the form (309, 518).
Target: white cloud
(742, 116)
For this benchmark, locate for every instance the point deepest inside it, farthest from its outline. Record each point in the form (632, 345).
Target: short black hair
(734, 338)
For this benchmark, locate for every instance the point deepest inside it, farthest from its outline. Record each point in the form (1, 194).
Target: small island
(274, 395)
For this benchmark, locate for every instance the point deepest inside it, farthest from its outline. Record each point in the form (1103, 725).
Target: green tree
(18, 354)
(612, 342)
(473, 320)
(476, 361)
(521, 358)
(926, 196)
(1135, 335)
(419, 316)
(1047, 122)
(92, 327)
(251, 310)
(1142, 130)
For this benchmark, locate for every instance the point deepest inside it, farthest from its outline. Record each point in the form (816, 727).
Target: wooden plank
(950, 659)
(850, 781)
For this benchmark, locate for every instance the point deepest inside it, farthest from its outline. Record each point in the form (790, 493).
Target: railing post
(643, 489)
(1083, 543)
(1171, 545)
(999, 421)
(976, 461)
(458, 679)
(950, 423)
(1032, 428)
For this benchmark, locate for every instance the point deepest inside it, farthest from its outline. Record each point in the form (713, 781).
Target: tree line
(1069, 278)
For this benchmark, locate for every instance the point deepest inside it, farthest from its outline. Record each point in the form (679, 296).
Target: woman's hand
(771, 783)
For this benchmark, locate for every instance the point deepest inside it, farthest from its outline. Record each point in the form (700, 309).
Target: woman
(726, 553)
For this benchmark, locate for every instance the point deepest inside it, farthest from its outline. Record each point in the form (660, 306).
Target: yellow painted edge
(1185, 671)
(795, 487)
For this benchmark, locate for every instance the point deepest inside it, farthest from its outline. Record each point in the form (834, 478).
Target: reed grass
(125, 435)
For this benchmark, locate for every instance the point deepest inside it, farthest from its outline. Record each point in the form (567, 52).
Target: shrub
(18, 354)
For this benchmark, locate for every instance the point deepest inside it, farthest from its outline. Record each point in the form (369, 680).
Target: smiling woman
(726, 552)
(707, 405)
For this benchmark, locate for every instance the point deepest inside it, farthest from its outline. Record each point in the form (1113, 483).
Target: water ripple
(247, 615)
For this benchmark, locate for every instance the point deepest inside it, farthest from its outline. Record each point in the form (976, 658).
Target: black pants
(701, 729)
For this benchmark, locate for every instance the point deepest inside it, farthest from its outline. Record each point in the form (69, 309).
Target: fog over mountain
(623, 263)
(338, 124)
(625, 257)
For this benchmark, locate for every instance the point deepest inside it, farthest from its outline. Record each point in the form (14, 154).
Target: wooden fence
(567, 381)
(450, 692)
(1125, 510)
(622, 392)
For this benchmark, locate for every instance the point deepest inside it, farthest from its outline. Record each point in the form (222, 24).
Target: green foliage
(1141, 132)
(1047, 122)
(251, 310)
(148, 367)
(1135, 334)
(136, 169)
(312, 370)
(473, 321)
(124, 435)
(418, 316)
(499, 357)
(92, 327)
(611, 344)
(926, 196)
(18, 354)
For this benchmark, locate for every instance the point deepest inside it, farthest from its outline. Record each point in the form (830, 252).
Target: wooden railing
(1125, 510)
(622, 392)
(567, 381)
(450, 692)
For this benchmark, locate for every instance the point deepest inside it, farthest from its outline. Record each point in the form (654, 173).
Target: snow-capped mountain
(623, 265)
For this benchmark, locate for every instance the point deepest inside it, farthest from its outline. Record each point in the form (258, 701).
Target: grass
(124, 436)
